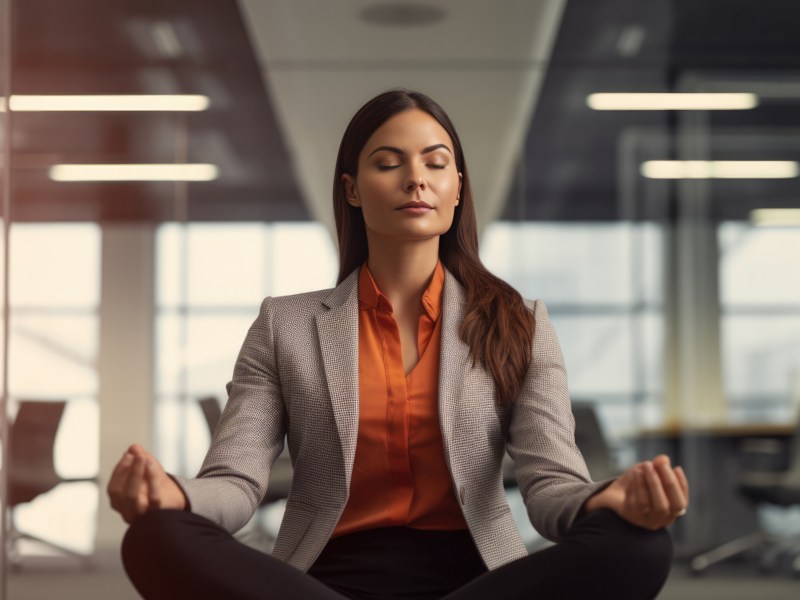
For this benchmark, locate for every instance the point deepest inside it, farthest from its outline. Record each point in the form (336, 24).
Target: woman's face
(408, 159)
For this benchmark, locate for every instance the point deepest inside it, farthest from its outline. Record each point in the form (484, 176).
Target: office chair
(280, 479)
(31, 466)
(211, 411)
(591, 441)
(589, 438)
(777, 488)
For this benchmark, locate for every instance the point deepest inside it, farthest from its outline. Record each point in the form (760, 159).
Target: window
(54, 291)
(211, 279)
(759, 292)
(602, 284)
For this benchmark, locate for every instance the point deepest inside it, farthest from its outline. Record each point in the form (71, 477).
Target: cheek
(373, 189)
(448, 187)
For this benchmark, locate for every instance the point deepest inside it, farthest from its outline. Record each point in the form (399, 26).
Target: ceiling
(102, 47)
(483, 61)
(284, 77)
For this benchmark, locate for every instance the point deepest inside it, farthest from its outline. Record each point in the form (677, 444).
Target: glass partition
(5, 191)
(675, 301)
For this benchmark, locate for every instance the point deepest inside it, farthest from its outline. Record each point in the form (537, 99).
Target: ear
(350, 190)
(458, 195)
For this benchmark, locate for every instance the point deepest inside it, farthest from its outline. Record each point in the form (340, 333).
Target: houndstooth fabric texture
(297, 376)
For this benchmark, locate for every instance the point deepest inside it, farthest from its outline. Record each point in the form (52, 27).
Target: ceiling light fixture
(134, 172)
(720, 169)
(101, 103)
(775, 217)
(677, 101)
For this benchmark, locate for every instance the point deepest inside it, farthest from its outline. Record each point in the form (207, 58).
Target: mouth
(415, 204)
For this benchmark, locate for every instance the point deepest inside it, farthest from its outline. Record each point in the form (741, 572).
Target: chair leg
(702, 561)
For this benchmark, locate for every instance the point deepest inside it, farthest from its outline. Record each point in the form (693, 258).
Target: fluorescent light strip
(775, 217)
(676, 101)
(132, 172)
(720, 169)
(131, 103)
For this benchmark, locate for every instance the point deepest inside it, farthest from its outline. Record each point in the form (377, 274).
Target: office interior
(635, 163)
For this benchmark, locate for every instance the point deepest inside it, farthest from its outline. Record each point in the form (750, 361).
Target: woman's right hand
(139, 484)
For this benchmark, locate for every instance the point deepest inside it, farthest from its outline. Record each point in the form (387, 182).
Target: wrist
(609, 497)
(181, 500)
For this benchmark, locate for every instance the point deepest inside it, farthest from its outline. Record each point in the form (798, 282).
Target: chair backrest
(794, 454)
(211, 411)
(280, 481)
(592, 442)
(32, 436)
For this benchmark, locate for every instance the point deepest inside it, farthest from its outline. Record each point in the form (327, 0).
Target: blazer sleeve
(249, 437)
(551, 471)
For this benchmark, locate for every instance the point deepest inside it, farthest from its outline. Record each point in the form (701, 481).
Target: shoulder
(314, 302)
(301, 299)
(296, 304)
(538, 308)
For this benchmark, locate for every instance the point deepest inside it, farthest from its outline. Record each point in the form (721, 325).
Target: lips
(415, 204)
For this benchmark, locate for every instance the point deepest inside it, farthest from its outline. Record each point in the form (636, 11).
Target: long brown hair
(497, 325)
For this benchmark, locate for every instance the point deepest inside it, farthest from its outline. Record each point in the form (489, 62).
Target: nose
(414, 182)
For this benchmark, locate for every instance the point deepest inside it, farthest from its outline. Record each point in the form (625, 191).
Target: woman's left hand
(651, 494)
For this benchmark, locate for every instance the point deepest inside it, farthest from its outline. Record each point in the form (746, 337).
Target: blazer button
(462, 494)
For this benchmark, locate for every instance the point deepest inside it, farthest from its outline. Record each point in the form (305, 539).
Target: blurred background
(635, 163)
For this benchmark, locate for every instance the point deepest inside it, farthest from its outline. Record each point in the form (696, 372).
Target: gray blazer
(297, 376)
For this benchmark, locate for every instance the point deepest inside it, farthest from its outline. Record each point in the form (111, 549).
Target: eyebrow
(400, 151)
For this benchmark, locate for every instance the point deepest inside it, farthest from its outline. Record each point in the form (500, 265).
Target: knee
(148, 536)
(650, 551)
(632, 551)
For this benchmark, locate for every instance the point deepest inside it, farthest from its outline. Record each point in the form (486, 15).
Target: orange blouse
(400, 475)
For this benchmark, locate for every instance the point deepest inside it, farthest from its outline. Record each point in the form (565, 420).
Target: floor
(41, 579)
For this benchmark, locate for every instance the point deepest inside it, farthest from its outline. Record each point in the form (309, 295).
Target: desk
(712, 458)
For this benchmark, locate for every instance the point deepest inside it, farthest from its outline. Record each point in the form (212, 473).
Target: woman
(399, 392)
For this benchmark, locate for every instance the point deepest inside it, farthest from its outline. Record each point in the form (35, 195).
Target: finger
(672, 488)
(683, 482)
(643, 500)
(118, 478)
(636, 507)
(632, 506)
(658, 497)
(154, 483)
(134, 498)
(120, 472)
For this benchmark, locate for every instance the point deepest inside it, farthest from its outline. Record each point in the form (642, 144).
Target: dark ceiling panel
(97, 47)
(573, 156)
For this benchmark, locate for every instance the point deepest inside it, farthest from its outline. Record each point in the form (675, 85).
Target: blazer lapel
(338, 340)
(454, 361)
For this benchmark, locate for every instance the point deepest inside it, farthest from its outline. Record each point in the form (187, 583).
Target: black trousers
(176, 554)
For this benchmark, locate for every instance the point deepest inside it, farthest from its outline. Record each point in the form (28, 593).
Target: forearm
(608, 497)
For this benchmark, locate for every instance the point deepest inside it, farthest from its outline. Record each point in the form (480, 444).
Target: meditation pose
(398, 393)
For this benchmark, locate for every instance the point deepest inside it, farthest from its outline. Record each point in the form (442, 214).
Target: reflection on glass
(5, 159)
(211, 279)
(55, 265)
(759, 291)
(53, 349)
(602, 284)
(577, 263)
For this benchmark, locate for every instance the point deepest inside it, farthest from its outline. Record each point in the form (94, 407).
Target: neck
(403, 270)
